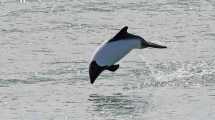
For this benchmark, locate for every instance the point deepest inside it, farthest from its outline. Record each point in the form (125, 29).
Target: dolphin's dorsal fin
(120, 35)
(123, 31)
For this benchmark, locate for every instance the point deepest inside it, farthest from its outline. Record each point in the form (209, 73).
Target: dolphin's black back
(123, 35)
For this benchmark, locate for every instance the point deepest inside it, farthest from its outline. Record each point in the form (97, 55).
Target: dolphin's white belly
(112, 52)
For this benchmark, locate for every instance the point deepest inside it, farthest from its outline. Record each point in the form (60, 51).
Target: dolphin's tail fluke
(94, 71)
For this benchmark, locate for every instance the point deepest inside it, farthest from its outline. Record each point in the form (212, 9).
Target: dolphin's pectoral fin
(113, 68)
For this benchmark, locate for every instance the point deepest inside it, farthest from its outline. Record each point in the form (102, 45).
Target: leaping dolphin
(115, 49)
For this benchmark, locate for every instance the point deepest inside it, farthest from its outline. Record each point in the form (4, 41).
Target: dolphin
(110, 52)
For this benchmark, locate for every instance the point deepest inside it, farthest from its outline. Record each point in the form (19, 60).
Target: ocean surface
(46, 45)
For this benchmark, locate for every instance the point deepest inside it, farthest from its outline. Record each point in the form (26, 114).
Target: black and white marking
(112, 51)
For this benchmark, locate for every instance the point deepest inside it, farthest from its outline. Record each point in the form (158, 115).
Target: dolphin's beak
(153, 45)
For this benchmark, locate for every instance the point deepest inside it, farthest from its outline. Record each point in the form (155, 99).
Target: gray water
(45, 48)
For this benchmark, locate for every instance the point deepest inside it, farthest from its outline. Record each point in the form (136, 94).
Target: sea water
(46, 45)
